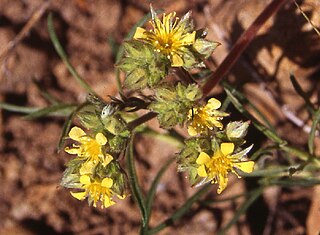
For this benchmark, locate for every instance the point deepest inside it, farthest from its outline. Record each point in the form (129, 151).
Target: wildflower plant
(158, 62)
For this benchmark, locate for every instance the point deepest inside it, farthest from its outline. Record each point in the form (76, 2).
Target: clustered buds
(152, 61)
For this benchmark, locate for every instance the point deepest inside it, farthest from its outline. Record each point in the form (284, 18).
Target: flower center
(91, 149)
(219, 164)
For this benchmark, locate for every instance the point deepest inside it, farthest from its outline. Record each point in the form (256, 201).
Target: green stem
(152, 193)
(133, 181)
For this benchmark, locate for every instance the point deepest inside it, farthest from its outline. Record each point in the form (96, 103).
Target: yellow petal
(85, 179)
(108, 202)
(203, 158)
(76, 133)
(139, 34)
(107, 182)
(107, 160)
(87, 168)
(192, 131)
(246, 167)
(213, 104)
(189, 38)
(227, 148)
(72, 150)
(176, 61)
(79, 195)
(223, 181)
(122, 197)
(101, 139)
(202, 171)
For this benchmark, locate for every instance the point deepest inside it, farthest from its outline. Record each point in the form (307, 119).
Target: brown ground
(31, 202)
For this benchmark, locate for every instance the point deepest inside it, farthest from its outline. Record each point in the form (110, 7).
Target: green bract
(143, 66)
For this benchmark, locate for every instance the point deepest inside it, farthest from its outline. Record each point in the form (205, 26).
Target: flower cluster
(159, 61)
(91, 170)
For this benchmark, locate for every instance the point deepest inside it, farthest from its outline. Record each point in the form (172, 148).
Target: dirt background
(31, 202)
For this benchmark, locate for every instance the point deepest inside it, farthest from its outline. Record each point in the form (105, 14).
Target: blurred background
(31, 200)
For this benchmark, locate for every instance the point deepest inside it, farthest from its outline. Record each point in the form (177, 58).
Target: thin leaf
(152, 191)
(313, 131)
(274, 171)
(64, 57)
(134, 184)
(17, 108)
(294, 181)
(310, 107)
(182, 210)
(59, 110)
(243, 208)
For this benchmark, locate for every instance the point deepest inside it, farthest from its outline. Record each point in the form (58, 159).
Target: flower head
(217, 167)
(96, 191)
(207, 117)
(89, 149)
(169, 36)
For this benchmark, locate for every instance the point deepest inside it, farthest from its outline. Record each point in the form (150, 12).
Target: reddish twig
(241, 44)
(141, 120)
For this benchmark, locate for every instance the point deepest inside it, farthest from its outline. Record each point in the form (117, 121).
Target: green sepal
(118, 143)
(205, 47)
(114, 124)
(115, 172)
(71, 175)
(237, 130)
(188, 155)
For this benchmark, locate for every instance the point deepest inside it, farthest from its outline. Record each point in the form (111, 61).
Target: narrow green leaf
(17, 108)
(270, 171)
(310, 107)
(294, 181)
(134, 184)
(64, 57)
(57, 110)
(243, 208)
(182, 210)
(152, 190)
(313, 131)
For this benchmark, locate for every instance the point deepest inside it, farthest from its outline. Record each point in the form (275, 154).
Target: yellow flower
(169, 37)
(90, 149)
(217, 167)
(203, 118)
(96, 191)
